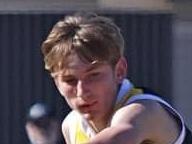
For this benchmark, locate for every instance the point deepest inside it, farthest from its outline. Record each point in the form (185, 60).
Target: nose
(82, 90)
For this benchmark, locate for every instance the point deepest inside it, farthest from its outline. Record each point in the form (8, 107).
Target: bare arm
(136, 123)
(116, 135)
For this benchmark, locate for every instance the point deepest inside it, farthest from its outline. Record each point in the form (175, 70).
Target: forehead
(74, 62)
(75, 65)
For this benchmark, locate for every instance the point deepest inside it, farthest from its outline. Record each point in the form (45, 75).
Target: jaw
(98, 122)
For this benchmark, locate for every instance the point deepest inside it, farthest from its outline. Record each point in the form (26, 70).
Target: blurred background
(158, 37)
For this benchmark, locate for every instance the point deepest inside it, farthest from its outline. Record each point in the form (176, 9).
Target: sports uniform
(80, 131)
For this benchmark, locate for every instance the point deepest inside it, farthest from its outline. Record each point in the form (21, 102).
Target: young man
(84, 54)
(42, 126)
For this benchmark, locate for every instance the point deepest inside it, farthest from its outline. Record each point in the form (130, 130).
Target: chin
(88, 116)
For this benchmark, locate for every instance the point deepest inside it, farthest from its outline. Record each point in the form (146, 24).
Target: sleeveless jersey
(79, 131)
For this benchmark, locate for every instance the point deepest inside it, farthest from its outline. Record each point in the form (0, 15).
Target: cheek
(69, 96)
(110, 89)
(66, 91)
(106, 90)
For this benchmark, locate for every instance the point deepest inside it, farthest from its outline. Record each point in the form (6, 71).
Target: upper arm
(140, 121)
(149, 121)
(135, 114)
(127, 126)
(137, 120)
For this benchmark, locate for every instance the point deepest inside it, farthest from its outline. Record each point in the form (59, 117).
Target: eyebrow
(67, 77)
(93, 65)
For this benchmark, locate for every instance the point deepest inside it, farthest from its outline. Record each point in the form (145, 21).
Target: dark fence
(23, 79)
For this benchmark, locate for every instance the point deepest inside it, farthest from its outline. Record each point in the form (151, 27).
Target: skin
(143, 122)
(91, 89)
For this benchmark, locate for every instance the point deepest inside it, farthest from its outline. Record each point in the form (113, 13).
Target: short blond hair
(90, 36)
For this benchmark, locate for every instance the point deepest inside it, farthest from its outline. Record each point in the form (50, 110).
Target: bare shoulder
(149, 120)
(140, 109)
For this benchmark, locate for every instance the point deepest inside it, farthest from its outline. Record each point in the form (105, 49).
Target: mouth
(87, 107)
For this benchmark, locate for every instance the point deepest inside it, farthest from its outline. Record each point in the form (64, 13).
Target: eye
(94, 75)
(71, 81)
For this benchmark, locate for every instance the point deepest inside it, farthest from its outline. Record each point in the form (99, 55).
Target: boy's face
(90, 88)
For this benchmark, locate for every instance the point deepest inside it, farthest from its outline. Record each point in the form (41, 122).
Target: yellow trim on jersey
(124, 99)
(80, 137)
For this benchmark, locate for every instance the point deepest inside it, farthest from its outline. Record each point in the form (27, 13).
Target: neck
(98, 126)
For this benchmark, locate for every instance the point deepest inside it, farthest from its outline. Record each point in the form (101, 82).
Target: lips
(87, 107)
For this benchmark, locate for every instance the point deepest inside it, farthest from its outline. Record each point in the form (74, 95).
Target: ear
(121, 69)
